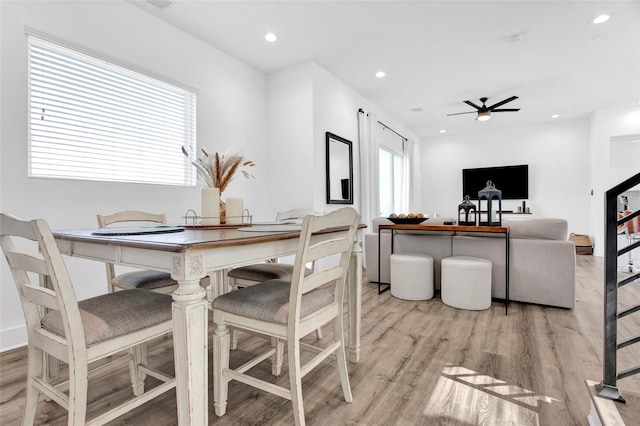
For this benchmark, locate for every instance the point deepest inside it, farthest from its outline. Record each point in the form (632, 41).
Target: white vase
(210, 199)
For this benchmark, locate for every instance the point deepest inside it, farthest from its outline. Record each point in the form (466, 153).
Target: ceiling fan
(484, 111)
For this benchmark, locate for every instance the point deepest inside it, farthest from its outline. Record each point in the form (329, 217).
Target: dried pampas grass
(218, 170)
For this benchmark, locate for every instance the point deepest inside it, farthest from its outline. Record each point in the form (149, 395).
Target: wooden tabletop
(179, 242)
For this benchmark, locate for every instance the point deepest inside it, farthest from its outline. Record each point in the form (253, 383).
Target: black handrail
(608, 386)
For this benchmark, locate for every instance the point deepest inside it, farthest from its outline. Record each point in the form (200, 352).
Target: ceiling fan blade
(459, 113)
(505, 109)
(472, 104)
(513, 98)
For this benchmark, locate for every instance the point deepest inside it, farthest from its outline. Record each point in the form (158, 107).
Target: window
(90, 119)
(390, 181)
(392, 170)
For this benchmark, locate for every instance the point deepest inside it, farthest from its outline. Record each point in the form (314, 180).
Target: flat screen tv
(513, 181)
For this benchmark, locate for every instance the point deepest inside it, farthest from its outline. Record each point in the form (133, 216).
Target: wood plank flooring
(423, 363)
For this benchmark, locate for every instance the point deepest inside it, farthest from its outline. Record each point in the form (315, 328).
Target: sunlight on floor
(467, 396)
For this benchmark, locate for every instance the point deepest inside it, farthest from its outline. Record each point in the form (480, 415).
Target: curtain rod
(389, 128)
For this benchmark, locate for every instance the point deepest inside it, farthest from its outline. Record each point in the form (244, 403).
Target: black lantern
(470, 212)
(490, 193)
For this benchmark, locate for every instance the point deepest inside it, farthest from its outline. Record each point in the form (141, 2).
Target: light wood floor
(423, 363)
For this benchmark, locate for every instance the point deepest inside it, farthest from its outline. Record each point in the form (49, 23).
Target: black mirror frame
(332, 137)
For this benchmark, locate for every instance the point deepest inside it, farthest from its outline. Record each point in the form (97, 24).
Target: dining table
(190, 254)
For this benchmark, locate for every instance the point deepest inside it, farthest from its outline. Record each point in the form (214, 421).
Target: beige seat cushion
(269, 301)
(146, 280)
(115, 314)
(265, 272)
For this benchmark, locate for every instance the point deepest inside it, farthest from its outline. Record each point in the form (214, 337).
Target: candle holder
(470, 212)
(490, 193)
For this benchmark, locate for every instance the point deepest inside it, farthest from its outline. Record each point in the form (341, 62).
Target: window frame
(145, 149)
(396, 193)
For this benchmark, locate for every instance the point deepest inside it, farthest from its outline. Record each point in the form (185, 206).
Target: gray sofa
(541, 258)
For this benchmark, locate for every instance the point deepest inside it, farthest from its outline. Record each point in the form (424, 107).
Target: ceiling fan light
(483, 116)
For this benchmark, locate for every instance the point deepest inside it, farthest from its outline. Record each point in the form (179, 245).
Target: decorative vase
(223, 211)
(210, 206)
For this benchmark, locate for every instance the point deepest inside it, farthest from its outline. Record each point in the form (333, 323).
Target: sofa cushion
(538, 229)
(377, 221)
(440, 220)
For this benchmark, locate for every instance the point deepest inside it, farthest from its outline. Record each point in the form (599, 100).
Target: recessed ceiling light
(555, 116)
(380, 74)
(270, 37)
(443, 131)
(600, 19)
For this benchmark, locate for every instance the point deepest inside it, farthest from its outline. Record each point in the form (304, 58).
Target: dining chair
(160, 282)
(248, 275)
(78, 333)
(244, 276)
(289, 310)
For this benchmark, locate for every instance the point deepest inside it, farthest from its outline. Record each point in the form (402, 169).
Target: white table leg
(190, 320)
(355, 301)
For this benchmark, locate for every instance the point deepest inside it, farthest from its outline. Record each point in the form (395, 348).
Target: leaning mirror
(339, 170)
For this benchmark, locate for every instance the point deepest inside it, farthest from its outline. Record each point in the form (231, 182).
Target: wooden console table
(449, 228)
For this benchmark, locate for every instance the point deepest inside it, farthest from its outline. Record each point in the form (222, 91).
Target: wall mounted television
(513, 181)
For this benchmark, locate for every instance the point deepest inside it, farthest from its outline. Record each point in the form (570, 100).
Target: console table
(456, 229)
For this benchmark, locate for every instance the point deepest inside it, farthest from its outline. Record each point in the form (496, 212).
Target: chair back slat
(131, 216)
(294, 214)
(320, 278)
(40, 296)
(327, 248)
(32, 262)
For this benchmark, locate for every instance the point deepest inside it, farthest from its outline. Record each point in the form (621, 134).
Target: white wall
(232, 104)
(290, 153)
(305, 102)
(557, 154)
(335, 110)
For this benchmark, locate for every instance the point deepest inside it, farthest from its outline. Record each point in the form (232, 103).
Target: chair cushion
(265, 271)
(115, 314)
(269, 301)
(146, 280)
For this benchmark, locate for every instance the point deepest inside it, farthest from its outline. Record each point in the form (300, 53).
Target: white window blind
(94, 120)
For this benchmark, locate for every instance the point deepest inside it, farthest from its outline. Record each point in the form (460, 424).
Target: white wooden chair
(290, 310)
(78, 333)
(252, 274)
(249, 275)
(160, 282)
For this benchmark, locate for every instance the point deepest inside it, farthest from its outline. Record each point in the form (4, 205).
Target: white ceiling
(439, 53)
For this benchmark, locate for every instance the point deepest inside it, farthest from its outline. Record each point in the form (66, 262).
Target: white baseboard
(13, 338)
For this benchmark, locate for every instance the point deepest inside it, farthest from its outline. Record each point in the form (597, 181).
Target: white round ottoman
(466, 282)
(412, 276)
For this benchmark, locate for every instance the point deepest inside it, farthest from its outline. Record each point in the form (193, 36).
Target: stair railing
(608, 387)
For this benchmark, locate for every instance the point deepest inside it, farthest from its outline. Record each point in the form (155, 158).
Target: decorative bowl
(407, 220)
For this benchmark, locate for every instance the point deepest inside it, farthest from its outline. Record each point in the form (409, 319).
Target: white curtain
(407, 176)
(368, 167)
(373, 134)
